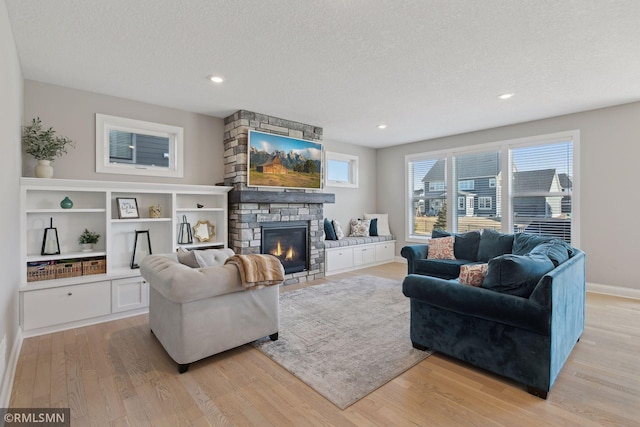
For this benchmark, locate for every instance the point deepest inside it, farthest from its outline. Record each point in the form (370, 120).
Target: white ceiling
(426, 68)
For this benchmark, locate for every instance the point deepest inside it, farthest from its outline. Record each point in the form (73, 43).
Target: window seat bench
(352, 253)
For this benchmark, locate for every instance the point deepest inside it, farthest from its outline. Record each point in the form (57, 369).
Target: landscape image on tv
(280, 161)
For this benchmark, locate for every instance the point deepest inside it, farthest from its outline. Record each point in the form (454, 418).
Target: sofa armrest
(413, 253)
(180, 283)
(478, 302)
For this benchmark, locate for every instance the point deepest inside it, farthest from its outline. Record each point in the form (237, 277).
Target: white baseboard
(10, 372)
(617, 291)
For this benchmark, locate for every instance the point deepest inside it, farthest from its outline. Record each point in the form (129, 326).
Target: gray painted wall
(609, 153)
(72, 113)
(10, 121)
(353, 202)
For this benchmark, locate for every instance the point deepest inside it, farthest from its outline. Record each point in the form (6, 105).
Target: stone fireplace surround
(251, 206)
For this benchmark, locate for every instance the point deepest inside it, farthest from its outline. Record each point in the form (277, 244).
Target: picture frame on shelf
(127, 207)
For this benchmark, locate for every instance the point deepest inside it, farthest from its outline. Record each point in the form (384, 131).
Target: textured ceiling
(424, 68)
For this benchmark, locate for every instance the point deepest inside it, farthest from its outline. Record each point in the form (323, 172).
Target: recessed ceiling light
(506, 95)
(382, 126)
(216, 79)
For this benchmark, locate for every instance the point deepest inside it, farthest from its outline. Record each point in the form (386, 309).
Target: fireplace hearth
(289, 242)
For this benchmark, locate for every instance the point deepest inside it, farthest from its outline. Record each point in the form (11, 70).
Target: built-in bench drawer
(64, 304)
(339, 258)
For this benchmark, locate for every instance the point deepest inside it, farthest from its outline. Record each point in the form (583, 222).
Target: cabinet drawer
(53, 306)
(128, 294)
(385, 252)
(339, 258)
(364, 255)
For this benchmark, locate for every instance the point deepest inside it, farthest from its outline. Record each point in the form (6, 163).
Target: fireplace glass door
(289, 243)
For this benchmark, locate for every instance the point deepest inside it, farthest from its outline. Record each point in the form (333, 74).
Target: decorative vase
(87, 247)
(66, 203)
(44, 169)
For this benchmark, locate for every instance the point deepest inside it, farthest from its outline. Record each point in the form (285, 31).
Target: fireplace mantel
(252, 196)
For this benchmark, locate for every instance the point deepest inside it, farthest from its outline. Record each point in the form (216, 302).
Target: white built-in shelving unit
(62, 303)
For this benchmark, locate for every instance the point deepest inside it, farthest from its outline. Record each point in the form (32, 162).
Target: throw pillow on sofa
(359, 227)
(441, 248)
(187, 258)
(523, 243)
(465, 246)
(516, 274)
(493, 244)
(472, 274)
(558, 251)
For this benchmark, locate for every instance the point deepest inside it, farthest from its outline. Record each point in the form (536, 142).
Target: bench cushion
(353, 241)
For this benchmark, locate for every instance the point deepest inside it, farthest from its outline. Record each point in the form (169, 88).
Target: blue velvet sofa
(517, 324)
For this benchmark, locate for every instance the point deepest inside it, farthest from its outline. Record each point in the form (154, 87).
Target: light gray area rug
(345, 339)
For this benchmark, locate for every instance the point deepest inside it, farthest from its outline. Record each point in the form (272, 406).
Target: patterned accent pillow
(360, 227)
(338, 229)
(473, 275)
(441, 248)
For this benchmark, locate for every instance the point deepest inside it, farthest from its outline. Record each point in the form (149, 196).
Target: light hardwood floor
(117, 373)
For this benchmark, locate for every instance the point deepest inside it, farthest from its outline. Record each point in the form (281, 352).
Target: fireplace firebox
(289, 242)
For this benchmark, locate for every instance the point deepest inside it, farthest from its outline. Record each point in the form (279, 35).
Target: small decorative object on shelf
(185, 237)
(204, 231)
(199, 205)
(155, 211)
(87, 239)
(141, 248)
(50, 244)
(127, 207)
(66, 203)
(44, 146)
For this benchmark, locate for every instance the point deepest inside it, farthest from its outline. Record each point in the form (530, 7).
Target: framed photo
(127, 207)
(281, 161)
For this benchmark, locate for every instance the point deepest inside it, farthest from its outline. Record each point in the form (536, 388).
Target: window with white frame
(341, 170)
(485, 203)
(527, 185)
(466, 185)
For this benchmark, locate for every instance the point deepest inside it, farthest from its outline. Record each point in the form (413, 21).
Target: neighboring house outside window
(492, 183)
(484, 203)
(436, 186)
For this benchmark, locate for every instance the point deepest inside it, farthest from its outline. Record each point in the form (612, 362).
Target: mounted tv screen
(284, 162)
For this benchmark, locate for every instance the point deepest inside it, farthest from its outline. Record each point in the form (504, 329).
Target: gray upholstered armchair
(199, 312)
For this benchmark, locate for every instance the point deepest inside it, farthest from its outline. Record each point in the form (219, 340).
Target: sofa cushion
(465, 245)
(442, 268)
(493, 244)
(329, 232)
(359, 227)
(472, 274)
(523, 243)
(441, 248)
(187, 258)
(558, 251)
(516, 274)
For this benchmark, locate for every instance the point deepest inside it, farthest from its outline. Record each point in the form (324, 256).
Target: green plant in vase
(87, 239)
(44, 145)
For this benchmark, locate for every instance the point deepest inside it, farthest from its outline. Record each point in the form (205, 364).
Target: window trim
(105, 123)
(485, 198)
(504, 146)
(352, 160)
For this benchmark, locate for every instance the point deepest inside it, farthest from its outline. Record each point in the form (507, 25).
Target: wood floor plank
(118, 374)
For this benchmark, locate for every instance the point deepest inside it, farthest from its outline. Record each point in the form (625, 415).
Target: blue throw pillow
(493, 244)
(558, 251)
(465, 245)
(329, 232)
(516, 274)
(373, 227)
(523, 243)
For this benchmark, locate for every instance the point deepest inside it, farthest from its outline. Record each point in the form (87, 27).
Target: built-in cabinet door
(364, 255)
(54, 306)
(385, 252)
(339, 258)
(129, 294)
